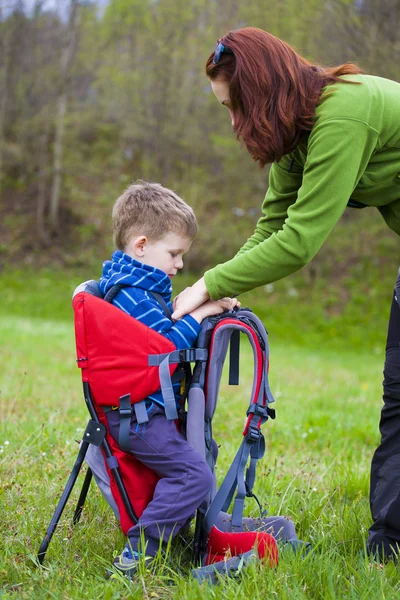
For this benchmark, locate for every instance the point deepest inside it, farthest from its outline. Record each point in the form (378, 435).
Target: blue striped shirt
(135, 300)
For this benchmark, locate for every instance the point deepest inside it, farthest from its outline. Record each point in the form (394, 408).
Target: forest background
(96, 94)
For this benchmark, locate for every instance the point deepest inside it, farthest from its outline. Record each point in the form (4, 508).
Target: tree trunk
(57, 163)
(41, 198)
(3, 108)
(66, 60)
(4, 87)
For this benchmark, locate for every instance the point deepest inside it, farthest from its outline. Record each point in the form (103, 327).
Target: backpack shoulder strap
(112, 292)
(162, 303)
(252, 448)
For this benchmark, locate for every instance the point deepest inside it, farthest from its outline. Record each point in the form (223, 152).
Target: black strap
(112, 292)
(234, 348)
(125, 414)
(356, 204)
(158, 298)
(397, 289)
(256, 453)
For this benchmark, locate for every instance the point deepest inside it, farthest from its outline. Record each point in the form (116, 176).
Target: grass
(315, 470)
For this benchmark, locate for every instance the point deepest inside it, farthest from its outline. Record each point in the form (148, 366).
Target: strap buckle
(125, 412)
(125, 406)
(193, 354)
(253, 434)
(258, 411)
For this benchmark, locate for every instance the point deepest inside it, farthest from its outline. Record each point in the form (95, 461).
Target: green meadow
(326, 373)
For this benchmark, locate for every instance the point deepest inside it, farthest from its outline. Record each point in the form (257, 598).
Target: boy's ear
(138, 246)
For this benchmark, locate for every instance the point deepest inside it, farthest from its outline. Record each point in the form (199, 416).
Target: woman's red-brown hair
(273, 90)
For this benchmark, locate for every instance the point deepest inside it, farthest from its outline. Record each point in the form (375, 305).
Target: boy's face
(165, 254)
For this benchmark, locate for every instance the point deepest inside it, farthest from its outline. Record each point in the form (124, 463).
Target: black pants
(384, 534)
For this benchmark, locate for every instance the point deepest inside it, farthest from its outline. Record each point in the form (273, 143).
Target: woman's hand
(228, 303)
(197, 296)
(214, 307)
(188, 300)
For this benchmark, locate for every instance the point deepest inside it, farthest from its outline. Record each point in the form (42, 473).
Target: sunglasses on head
(220, 48)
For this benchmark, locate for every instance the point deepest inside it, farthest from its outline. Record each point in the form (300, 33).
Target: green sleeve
(391, 214)
(294, 227)
(283, 185)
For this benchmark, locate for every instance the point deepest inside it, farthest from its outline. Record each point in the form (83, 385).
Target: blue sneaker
(129, 560)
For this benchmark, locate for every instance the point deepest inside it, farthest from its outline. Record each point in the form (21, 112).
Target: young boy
(153, 229)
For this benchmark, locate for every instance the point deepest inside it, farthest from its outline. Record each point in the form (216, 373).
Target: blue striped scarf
(122, 269)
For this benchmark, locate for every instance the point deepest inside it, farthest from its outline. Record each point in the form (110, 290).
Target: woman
(333, 138)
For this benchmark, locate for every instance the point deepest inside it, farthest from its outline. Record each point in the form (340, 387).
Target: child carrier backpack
(122, 362)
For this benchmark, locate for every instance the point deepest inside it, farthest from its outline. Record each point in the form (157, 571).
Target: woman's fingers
(175, 300)
(189, 299)
(185, 303)
(235, 303)
(229, 303)
(225, 303)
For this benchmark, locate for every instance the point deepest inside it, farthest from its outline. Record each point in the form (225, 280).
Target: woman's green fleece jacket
(351, 153)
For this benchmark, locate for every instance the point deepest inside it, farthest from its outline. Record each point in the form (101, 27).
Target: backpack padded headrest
(90, 287)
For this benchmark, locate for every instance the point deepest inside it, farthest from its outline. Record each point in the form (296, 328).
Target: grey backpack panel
(95, 460)
(195, 420)
(221, 342)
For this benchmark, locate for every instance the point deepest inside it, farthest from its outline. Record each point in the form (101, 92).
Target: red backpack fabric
(225, 543)
(114, 365)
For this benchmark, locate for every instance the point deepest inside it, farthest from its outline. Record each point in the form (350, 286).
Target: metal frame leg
(63, 501)
(95, 434)
(82, 497)
(107, 451)
(199, 542)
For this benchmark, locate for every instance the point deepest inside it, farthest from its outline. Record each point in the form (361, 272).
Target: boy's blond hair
(152, 210)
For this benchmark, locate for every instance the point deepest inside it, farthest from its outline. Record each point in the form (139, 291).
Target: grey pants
(384, 534)
(185, 477)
